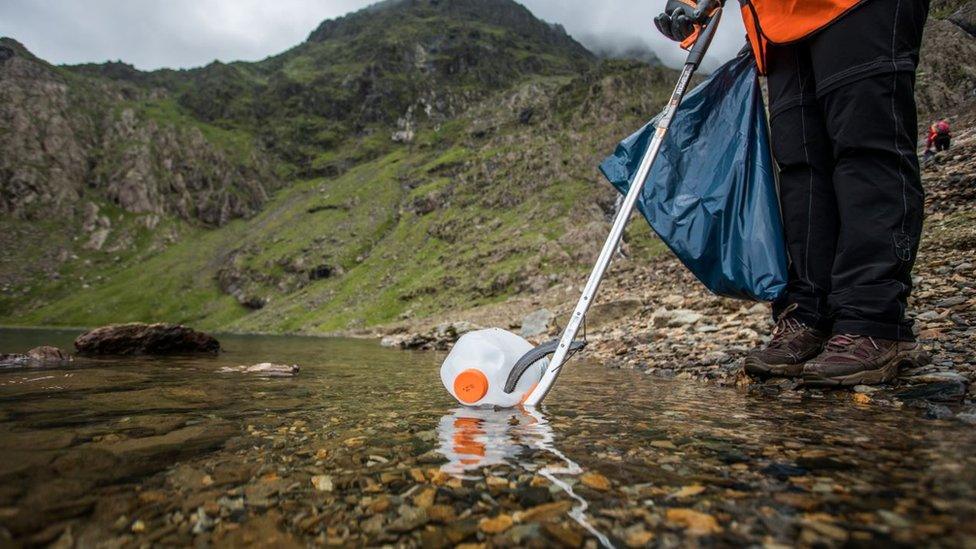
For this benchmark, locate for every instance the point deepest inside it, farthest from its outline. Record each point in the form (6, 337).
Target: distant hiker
(841, 77)
(939, 137)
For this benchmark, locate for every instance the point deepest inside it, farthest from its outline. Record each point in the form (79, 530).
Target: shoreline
(654, 316)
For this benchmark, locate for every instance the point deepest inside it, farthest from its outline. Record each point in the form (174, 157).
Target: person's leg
(865, 72)
(801, 149)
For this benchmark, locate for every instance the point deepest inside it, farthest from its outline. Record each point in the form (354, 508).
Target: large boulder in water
(145, 339)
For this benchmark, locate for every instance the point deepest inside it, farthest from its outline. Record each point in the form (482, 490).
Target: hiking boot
(793, 343)
(861, 360)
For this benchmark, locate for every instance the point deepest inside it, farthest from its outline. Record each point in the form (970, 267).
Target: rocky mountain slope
(67, 137)
(411, 158)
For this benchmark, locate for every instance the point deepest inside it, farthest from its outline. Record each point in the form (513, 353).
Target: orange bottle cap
(470, 386)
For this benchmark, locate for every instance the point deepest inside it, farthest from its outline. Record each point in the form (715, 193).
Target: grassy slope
(504, 203)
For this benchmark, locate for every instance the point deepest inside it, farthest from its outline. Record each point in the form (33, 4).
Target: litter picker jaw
(711, 13)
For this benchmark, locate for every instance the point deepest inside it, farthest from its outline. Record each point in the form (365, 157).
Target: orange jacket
(782, 21)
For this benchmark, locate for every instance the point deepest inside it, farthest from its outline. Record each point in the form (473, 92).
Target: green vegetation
(497, 194)
(165, 111)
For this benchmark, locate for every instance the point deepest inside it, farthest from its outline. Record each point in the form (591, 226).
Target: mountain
(414, 157)
(405, 158)
(407, 62)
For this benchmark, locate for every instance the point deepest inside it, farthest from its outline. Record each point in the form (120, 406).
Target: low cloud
(188, 33)
(621, 25)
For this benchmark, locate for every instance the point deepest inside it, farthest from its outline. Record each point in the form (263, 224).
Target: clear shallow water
(364, 447)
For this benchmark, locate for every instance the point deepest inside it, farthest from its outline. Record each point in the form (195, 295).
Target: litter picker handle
(703, 14)
(704, 33)
(566, 340)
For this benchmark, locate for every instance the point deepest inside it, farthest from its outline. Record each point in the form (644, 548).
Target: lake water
(364, 447)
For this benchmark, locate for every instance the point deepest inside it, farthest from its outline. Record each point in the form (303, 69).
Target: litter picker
(707, 16)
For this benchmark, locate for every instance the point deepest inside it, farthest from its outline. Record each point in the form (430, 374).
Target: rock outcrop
(947, 65)
(145, 339)
(68, 136)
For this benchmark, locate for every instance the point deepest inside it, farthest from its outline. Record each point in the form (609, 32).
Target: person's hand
(678, 20)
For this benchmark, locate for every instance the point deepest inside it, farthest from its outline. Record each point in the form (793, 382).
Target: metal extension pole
(540, 391)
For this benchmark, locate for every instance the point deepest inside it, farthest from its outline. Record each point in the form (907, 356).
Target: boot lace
(785, 325)
(848, 343)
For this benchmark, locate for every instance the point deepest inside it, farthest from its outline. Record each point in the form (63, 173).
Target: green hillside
(409, 158)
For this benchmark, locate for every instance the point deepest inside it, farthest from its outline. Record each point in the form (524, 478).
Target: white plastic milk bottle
(477, 367)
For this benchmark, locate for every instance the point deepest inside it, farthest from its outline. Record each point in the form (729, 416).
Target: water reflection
(473, 438)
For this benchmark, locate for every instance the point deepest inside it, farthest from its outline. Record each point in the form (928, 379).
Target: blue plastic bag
(711, 194)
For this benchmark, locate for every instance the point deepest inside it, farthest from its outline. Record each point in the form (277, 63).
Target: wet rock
(637, 536)
(533, 496)
(37, 357)
(145, 339)
(595, 481)
(688, 491)
(201, 521)
(938, 411)
(943, 391)
(13, 361)
(264, 369)
(938, 377)
(822, 462)
(566, 535)
(410, 518)
(48, 502)
(322, 483)
(694, 522)
(543, 512)
(186, 477)
(439, 338)
(260, 531)
(783, 471)
(146, 454)
(521, 535)
(48, 354)
(967, 415)
(537, 323)
(496, 525)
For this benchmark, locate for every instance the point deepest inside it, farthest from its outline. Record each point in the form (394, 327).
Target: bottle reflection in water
(472, 438)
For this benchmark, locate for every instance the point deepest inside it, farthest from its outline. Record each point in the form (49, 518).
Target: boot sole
(757, 368)
(888, 372)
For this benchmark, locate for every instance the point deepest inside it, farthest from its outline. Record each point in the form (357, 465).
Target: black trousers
(844, 124)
